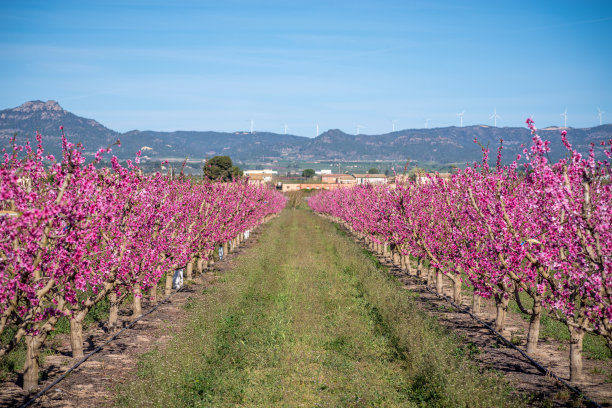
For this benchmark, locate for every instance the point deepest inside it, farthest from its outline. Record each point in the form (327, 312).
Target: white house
(370, 178)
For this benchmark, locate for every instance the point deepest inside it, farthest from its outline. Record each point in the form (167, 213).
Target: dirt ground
(92, 384)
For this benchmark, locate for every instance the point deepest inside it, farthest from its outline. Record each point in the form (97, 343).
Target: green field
(307, 319)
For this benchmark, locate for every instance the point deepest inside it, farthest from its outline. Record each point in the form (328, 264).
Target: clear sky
(215, 65)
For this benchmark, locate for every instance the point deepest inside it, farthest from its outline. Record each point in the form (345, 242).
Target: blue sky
(199, 65)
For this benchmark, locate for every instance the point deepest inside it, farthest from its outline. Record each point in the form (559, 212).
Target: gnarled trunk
(476, 303)
(501, 303)
(113, 313)
(439, 281)
(168, 288)
(420, 268)
(534, 327)
(225, 249)
(137, 305)
(76, 334)
(409, 265)
(200, 264)
(153, 295)
(189, 270)
(576, 337)
(396, 258)
(31, 368)
(431, 276)
(456, 289)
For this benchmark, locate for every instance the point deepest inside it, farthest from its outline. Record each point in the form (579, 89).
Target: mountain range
(440, 145)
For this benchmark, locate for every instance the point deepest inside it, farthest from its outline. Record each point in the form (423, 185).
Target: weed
(189, 303)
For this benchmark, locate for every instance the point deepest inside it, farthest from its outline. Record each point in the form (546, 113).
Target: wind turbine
(495, 116)
(252, 126)
(285, 128)
(393, 124)
(317, 129)
(427, 123)
(461, 117)
(564, 114)
(600, 114)
(359, 127)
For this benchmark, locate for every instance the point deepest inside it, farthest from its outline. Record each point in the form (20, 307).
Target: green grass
(307, 319)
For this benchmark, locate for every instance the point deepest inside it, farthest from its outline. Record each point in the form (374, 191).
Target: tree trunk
(396, 258)
(76, 335)
(576, 337)
(153, 295)
(189, 270)
(420, 267)
(403, 262)
(431, 276)
(409, 265)
(200, 264)
(501, 303)
(113, 313)
(137, 305)
(456, 289)
(225, 249)
(475, 303)
(439, 282)
(534, 327)
(30, 367)
(168, 288)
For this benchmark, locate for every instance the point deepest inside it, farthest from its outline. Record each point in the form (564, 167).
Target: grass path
(306, 319)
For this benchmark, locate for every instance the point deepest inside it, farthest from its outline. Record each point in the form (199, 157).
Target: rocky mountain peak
(34, 106)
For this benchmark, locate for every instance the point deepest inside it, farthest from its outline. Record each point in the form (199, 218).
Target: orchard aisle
(306, 319)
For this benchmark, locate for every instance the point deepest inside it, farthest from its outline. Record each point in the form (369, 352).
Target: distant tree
(414, 172)
(221, 168)
(236, 172)
(373, 170)
(387, 172)
(308, 173)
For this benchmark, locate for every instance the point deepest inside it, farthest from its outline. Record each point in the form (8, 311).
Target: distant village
(326, 180)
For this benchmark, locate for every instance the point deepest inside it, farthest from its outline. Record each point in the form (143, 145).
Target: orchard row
(536, 227)
(72, 235)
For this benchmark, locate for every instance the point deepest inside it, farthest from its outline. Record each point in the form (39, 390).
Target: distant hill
(440, 145)
(46, 117)
(445, 145)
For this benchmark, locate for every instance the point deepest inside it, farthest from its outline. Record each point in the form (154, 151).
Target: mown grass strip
(307, 319)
